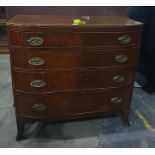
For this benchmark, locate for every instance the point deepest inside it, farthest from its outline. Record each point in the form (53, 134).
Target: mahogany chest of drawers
(64, 71)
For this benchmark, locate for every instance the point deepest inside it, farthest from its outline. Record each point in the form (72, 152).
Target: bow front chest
(65, 70)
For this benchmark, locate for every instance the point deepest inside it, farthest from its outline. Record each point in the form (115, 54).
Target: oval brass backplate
(39, 107)
(121, 58)
(38, 83)
(35, 41)
(118, 78)
(116, 100)
(36, 61)
(125, 39)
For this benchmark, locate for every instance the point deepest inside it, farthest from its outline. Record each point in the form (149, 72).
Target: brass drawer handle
(35, 41)
(125, 39)
(121, 58)
(36, 61)
(39, 107)
(118, 78)
(116, 100)
(38, 83)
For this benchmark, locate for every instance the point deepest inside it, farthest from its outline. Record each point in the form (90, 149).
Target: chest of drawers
(62, 71)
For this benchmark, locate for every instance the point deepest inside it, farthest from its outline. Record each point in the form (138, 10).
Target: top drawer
(64, 38)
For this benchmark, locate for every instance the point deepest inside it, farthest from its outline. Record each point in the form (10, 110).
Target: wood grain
(72, 58)
(79, 67)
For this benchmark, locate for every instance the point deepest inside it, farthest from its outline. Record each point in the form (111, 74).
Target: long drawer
(73, 103)
(64, 38)
(72, 58)
(73, 79)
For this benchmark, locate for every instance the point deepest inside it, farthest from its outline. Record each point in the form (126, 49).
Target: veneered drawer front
(74, 39)
(72, 103)
(45, 39)
(73, 58)
(111, 39)
(70, 80)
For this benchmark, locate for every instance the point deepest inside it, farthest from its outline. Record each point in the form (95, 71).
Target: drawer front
(111, 39)
(73, 58)
(68, 39)
(70, 80)
(73, 103)
(45, 39)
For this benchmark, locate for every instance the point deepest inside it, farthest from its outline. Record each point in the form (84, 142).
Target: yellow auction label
(78, 22)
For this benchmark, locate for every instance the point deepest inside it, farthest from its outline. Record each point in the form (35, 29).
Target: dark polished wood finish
(72, 102)
(71, 80)
(71, 38)
(62, 71)
(72, 58)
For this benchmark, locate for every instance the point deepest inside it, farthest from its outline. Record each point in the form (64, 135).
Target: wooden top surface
(66, 21)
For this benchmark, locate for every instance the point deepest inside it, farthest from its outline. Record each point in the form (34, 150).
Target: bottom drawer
(73, 102)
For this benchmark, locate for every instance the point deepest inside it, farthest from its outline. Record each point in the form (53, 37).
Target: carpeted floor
(100, 133)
